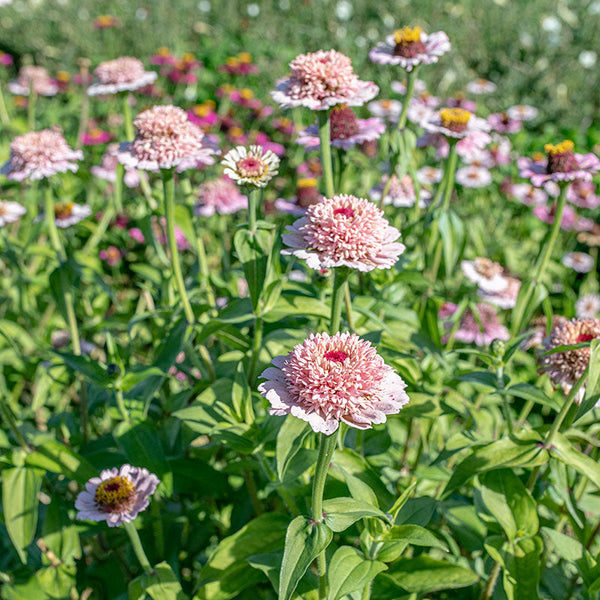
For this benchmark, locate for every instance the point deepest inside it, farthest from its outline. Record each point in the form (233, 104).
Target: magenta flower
(204, 115)
(221, 196)
(583, 194)
(112, 256)
(107, 170)
(164, 139)
(120, 75)
(95, 137)
(6, 59)
(346, 130)
(410, 47)
(328, 379)
(320, 80)
(136, 234)
(117, 496)
(344, 231)
(163, 57)
(40, 154)
(33, 78)
(482, 331)
(561, 164)
(502, 123)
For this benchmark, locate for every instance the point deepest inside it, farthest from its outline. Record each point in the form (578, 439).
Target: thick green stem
(452, 159)
(169, 202)
(505, 406)
(348, 299)
(12, 425)
(253, 199)
(256, 342)
(31, 102)
(411, 77)
(203, 272)
(325, 143)
(3, 112)
(119, 174)
(52, 231)
(491, 582)
(136, 543)
(121, 406)
(127, 117)
(339, 283)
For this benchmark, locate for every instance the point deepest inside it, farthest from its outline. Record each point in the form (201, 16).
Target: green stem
(120, 172)
(253, 198)
(491, 582)
(203, 272)
(325, 143)
(121, 406)
(169, 201)
(558, 421)
(326, 448)
(348, 300)
(339, 280)
(136, 543)
(452, 159)
(256, 342)
(12, 425)
(505, 406)
(127, 117)
(3, 111)
(411, 77)
(52, 231)
(31, 102)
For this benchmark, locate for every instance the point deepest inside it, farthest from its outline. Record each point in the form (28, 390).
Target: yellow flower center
(63, 76)
(562, 148)
(455, 118)
(232, 61)
(202, 110)
(246, 94)
(164, 51)
(307, 182)
(114, 494)
(407, 35)
(245, 57)
(63, 210)
(538, 156)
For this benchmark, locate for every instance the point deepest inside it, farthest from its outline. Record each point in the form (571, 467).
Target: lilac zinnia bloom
(410, 47)
(40, 154)
(33, 78)
(119, 75)
(588, 306)
(107, 170)
(117, 496)
(583, 194)
(10, 212)
(221, 196)
(507, 298)
(481, 332)
(528, 194)
(561, 164)
(344, 231)
(502, 123)
(328, 379)
(386, 109)
(487, 274)
(346, 130)
(522, 112)
(401, 192)
(578, 261)
(320, 80)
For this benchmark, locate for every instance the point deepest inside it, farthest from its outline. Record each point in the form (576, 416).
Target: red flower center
(343, 123)
(345, 212)
(250, 166)
(584, 337)
(336, 356)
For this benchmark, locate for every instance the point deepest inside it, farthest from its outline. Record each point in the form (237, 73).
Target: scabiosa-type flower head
(251, 166)
(344, 231)
(560, 165)
(565, 368)
(40, 154)
(120, 75)
(320, 80)
(578, 261)
(10, 212)
(328, 379)
(33, 78)
(165, 139)
(410, 47)
(486, 273)
(455, 123)
(69, 213)
(117, 496)
(588, 306)
(481, 331)
(221, 196)
(346, 130)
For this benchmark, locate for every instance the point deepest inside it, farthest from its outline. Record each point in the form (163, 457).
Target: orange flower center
(115, 494)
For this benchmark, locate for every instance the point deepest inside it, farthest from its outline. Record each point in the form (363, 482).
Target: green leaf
(452, 232)
(340, 513)
(161, 584)
(509, 501)
(304, 541)
(290, 438)
(413, 535)
(253, 250)
(89, 368)
(424, 574)
(524, 308)
(20, 489)
(59, 532)
(522, 568)
(564, 451)
(565, 546)
(504, 453)
(350, 572)
(241, 397)
(55, 457)
(592, 388)
(131, 378)
(533, 393)
(481, 377)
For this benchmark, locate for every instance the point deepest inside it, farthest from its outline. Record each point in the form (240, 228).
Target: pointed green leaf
(340, 513)
(161, 584)
(592, 388)
(564, 451)
(414, 535)
(290, 438)
(350, 572)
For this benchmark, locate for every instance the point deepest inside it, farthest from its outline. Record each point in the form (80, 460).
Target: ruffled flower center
(336, 356)
(63, 210)
(455, 119)
(488, 268)
(307, 192)
(251, 166)
(408, 42)
(561, 158)
(584, 337)
(115, 494)
(345, 211)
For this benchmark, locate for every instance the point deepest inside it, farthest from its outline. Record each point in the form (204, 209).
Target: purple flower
(502, 123)
(481, 330)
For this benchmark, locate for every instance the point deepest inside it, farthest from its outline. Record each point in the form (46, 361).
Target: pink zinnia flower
(467, 148)
(70, 213)
(33, 78)
(221, 196)
(502, 123)
(470, 330)
(561, 164)
(487, 274)
(95, 137)
(117, 496)
(583, 194)
(253, 166)
(522, 112)
(10, 212)
(346, 130)
(328, 379)
(40, 154)
(481, 86)
(120, 75)
(569, 221)
(528, 194)
(578, 261)
(165, 139)
(344, 231)
(204, 115)
(5, 59)
(112, 256)
(386, 109)
(136, 234)
(507, 298)
(429, 175)
(163, 57)
(473, 176)
(320, 80)
(107, 170)
(455, 123)
(401, 192)
(410, 47)
(459, 100)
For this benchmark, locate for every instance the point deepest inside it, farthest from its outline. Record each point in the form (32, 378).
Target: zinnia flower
(487, 274)
(560, 164)
(481, 86)
(33, 78)
(588, 306)
(565, 368)
(410, 47)
(528, 194)
(164, 139)
(328, 379)
(481, 331)
(507, 298)
(40, 154)
(386, 109)
(320, 80)
(473, 176)
(401, 192)
(503, 123)
(10, 212)
(522, 112)
(346, 130)
(221, 196)
(344, 231)
(252, 166)
(120, 75)
(69, 213)
(107, 170)
(578, 261)
(117, 496)
(455, 123)
(583, 194)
